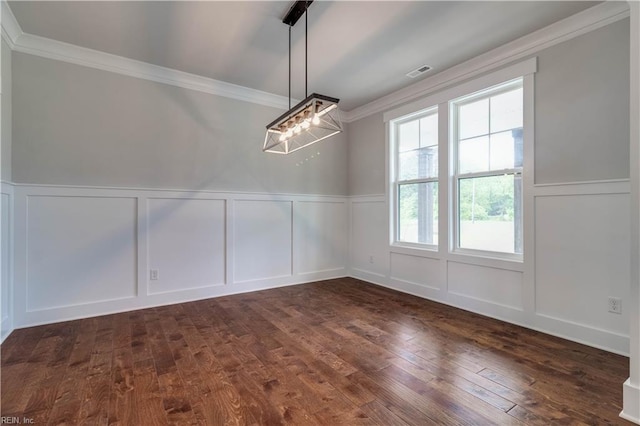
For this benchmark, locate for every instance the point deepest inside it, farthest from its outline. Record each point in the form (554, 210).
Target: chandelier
(310, 121)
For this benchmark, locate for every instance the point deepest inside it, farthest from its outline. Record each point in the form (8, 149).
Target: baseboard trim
(604, 340)
(7, 329)
(631, 402)
(52, 316)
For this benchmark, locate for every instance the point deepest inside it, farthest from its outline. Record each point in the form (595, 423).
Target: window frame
(397, 183)
(438, 93)
(456, 176)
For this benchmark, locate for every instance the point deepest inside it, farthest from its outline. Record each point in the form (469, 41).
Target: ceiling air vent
(419, 71)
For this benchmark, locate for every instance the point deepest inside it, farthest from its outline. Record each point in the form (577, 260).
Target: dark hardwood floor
(333, 352)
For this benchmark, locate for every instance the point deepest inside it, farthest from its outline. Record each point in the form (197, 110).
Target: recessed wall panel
(417, 270)
(369, 232)
(262, 239)
(498, 286)
(80, 250)
(322, 235)
(582, 258)
(186, 243)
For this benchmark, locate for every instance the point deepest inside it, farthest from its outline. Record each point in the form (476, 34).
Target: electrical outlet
(615, 305)
(153, 274)
(370, 259)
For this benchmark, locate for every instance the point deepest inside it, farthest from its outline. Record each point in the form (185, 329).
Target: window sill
(488, 259)
(421, 250)
(484, 259)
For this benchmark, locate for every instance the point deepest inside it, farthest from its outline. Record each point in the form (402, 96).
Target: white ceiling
(358, 50)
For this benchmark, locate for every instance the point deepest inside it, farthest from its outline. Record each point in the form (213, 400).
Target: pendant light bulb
(316, 119)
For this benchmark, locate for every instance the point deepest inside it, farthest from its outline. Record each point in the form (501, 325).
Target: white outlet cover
(615, 305)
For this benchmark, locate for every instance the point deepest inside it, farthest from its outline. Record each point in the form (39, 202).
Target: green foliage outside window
(409, 202)
(487, 198)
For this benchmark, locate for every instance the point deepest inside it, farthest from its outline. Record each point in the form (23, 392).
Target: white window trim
(395, 182)
(525, 69)
(455, 176)
(520, 69)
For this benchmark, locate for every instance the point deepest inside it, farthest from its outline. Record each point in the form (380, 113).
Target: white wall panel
(369, 231)
(321, 235)
(422, 271)
(262, 239)
(186, 243)
(80, 250)
(6, 323)
(87, 251)
(582, 258)
(498, 286)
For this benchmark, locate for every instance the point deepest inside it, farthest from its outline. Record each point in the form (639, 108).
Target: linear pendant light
(310, 121)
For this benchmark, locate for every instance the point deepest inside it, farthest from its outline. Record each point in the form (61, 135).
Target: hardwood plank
(64, 413)
(17, 348)
(175, 400)
(122, 403)
(146, 394)
(221, 403)
(333, 352)
(292, 356)
(301, 338)
(403, 402)
(381, 415)
(97, 389)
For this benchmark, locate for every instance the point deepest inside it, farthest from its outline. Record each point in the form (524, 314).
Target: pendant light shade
(310, 121)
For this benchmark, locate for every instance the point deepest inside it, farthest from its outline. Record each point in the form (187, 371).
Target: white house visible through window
(416, 145)
(488, 147)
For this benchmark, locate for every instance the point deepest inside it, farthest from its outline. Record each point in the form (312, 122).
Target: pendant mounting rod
(296, 12)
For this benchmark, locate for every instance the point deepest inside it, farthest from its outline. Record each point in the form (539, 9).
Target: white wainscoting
(6, 270)
(369, 229)
(492, 285)
(416, 270)
(263, 239)
(186, 240)
(580, 258)
(321, 236)
(74, 252)
(82, 252)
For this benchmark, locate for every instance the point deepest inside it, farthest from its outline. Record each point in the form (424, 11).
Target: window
(460, 163)
(488, 152)
(416, 178)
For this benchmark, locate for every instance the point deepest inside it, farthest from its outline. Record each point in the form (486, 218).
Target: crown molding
(581, 23)
(566, 29)
(61, 51)
(53, 49)
(11, 30)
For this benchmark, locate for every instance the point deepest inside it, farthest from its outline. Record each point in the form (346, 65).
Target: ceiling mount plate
(296, 11)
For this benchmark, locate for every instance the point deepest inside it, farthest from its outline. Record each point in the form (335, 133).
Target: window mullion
(489, 173)
(423, 180)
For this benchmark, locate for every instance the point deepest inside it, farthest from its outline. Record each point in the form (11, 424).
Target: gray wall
(79, 126)
(581, 116)
(74, 125)
(367, 156)
(582, 108)
(5, 148)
